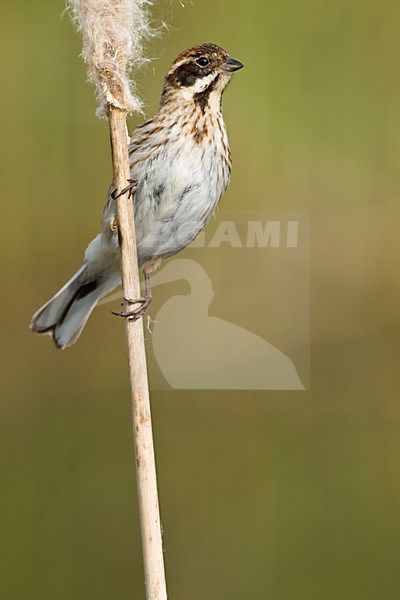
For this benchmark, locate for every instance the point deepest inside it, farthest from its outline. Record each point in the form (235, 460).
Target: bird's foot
(134, 315)
(131, 189)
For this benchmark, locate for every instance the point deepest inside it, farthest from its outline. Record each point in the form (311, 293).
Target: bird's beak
(231, 65)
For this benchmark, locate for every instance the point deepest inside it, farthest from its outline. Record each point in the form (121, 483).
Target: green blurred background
(273, 495)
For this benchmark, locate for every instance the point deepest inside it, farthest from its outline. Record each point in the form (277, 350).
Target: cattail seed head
(113, 33)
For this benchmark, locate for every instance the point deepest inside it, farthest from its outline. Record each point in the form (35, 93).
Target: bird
(180, 165)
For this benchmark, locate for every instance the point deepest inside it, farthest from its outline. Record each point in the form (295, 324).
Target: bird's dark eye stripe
(187, 74)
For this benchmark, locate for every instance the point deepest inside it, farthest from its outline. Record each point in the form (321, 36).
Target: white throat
(199, 86)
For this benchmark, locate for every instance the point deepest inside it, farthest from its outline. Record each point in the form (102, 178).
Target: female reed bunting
(180, 166)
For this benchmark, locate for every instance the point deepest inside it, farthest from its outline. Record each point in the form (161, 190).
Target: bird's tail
(65, 315)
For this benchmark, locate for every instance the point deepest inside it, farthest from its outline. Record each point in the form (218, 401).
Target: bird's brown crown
(195, 63)
(198, 72)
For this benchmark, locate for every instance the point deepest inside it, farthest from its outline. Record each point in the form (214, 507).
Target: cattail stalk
(113, 31)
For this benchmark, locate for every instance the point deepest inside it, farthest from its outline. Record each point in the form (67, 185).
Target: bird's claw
(131, 188)
(134, 315)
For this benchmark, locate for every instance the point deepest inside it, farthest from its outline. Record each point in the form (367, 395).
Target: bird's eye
(202, 61)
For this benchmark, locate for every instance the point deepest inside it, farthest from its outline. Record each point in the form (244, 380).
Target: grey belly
(168, 217)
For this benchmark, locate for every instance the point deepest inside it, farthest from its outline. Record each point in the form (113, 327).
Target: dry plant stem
(144, 449)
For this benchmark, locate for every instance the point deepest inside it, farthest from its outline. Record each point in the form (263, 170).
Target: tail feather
(65, 315)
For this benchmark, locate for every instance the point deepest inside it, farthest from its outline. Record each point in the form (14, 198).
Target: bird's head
(199, 73)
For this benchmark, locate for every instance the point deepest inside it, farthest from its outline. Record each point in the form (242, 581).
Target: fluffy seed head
(113, 34)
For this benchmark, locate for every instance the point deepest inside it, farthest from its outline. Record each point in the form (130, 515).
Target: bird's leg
(144, 302)
(131, 188)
